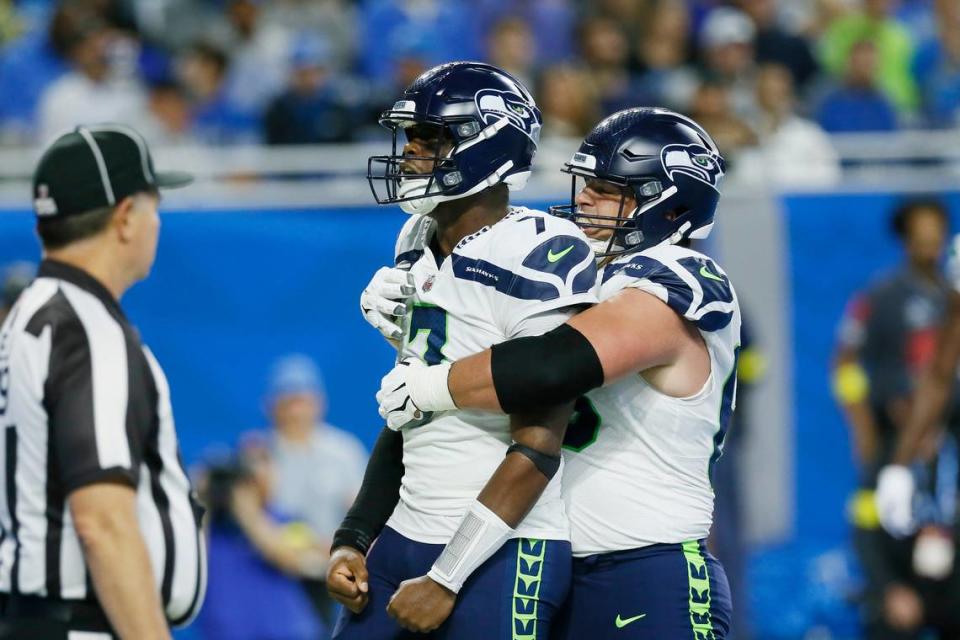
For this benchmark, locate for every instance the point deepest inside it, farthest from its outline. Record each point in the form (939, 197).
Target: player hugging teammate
(501, 311)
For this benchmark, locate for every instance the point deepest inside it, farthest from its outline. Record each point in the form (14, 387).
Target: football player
(896, 483)
(479, 493)
(658, 357)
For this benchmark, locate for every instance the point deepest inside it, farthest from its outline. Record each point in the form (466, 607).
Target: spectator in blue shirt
(857, 104)
(315, 107)
(256, 556)
(937, 68)
(216, 119)
(450, 26)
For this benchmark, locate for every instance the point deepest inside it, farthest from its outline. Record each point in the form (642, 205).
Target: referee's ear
(122, 221)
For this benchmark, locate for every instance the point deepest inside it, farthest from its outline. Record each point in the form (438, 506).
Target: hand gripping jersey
(638, 462)
(522, 276)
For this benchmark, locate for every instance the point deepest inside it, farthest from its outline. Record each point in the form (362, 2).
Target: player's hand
(421, 605)
(383, 301)
(894, 499)
(347, 578)
(396, 405)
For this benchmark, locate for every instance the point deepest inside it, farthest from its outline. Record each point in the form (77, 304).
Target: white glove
(894, 498)
(383, 301)
(411, 392)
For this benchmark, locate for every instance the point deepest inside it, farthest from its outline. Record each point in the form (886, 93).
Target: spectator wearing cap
(726, 44)
(858, 104)
(316, 107)
(893, 49)
(319, 467)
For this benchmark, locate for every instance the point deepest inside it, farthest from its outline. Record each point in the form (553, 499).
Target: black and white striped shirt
(83, 401)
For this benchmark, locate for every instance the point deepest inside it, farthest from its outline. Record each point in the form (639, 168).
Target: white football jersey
(638, 462)
(522, 276)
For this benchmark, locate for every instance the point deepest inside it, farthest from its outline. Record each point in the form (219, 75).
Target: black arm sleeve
(378, 494)
(544, 371)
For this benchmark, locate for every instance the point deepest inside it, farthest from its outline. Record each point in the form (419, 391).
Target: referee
(99, 530)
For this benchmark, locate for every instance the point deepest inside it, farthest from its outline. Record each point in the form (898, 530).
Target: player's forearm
(508, 496)
(928, 405)
(378, 495)
(863, 430)
(119, 565)
(513, 489)
(471, 383)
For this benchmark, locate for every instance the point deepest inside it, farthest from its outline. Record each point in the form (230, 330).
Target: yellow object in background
(850, 383)
(298, 535)
(862, 510)
(752, 366)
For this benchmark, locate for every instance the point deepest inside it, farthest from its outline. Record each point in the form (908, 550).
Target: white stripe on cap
(136, 137)
(101, 165)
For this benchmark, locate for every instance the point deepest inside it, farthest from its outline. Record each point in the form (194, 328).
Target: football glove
(383, 301)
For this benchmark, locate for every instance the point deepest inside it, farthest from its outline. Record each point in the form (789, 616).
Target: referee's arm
(105, 517)
(97, 454)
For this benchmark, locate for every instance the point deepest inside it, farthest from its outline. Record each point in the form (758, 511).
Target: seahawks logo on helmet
(693, 160)
(494, 105)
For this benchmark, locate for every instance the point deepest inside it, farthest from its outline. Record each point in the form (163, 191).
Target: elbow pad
(544, 371)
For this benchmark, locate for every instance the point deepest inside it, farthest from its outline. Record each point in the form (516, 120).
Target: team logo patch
(494, 105)
(428, 284)
(693, 160)
(43, 203)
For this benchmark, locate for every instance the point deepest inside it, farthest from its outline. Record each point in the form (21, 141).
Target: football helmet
(488, 115)
(666, 161)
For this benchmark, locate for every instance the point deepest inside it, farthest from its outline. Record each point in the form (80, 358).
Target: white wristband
(428, 389)
(481, 533)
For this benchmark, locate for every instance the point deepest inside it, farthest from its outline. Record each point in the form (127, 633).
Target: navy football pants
(660, 592)
(515, 595)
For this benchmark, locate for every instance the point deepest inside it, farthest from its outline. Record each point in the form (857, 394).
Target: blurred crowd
(316, 71)
(274, 501)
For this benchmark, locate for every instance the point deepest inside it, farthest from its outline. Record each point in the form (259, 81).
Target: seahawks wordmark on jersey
(638, 462)
(522, 276)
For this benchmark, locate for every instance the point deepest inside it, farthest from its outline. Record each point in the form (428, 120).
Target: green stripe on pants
(526, 589)
(699, 591)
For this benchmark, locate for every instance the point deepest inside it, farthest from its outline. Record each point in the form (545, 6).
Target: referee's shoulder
(69, 311)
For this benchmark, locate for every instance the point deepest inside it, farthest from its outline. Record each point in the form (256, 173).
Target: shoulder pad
(412, 240)
(689, 282)
(530, 255)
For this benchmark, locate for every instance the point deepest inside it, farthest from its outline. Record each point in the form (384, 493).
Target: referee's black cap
(96, 166)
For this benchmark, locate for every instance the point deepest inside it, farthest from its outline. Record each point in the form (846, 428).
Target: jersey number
(432, 320)
(584, 426)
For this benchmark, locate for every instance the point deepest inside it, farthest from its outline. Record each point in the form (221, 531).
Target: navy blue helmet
(487, 114)
(666, 161)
